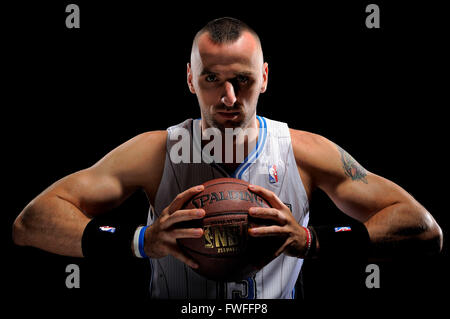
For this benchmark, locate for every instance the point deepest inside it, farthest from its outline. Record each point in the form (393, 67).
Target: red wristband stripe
(308, 241)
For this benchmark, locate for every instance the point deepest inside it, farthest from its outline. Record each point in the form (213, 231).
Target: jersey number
(248, 290)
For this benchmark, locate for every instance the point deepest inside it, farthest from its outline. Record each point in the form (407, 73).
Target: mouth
(229, 115)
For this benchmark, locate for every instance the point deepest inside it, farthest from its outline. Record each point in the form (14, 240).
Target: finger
(282, 248)
(184, 215)
(187, 233)
(181, 198)
(268, 213)
(266, 231)
(180, 255)
(270, 196)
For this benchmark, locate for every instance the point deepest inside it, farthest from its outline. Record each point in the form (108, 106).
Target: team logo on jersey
(108, 229)
(339, 229)
(273, 174)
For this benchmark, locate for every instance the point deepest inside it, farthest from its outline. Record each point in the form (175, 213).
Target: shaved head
(225, 31)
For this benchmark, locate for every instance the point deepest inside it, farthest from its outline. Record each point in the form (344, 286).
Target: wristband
(308, 241)
(138, 242)
(104, 238)
(312, 251)
(349, 241)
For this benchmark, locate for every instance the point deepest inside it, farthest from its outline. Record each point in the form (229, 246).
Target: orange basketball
(226, 252)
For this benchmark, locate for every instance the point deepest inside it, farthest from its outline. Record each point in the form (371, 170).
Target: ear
(189, 79)
(265, 77)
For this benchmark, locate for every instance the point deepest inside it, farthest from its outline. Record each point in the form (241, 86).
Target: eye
(210, 78)
(242, 79)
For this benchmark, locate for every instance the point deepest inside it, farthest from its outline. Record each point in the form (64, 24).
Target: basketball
(226, 252)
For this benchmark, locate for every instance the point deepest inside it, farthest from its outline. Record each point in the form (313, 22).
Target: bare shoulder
(138, 161)
(305, 139)
(138, 148)
(323, 160)
(148, 142)
(311, 149)
(158, 137)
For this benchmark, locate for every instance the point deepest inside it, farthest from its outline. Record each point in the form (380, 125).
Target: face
(227, 79)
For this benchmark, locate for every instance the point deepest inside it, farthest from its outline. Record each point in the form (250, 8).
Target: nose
(229, 97)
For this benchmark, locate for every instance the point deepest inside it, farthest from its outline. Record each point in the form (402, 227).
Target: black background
(69, 96)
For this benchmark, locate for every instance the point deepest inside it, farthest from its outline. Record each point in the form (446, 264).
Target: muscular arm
(396, 222)
(55, 220)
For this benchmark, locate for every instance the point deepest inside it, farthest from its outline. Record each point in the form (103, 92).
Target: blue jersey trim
(254, 154)
(256, 151)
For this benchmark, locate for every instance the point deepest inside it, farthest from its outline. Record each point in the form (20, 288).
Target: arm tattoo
(352, 168)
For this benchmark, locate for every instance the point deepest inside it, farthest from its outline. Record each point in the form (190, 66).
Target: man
(227, 73)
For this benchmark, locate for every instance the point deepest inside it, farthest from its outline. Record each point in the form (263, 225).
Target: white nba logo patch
(108, 229)
(273, 174)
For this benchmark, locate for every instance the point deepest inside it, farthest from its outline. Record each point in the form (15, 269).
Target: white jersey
(271, 165)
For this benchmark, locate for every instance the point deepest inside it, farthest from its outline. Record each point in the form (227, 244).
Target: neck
(235, 143)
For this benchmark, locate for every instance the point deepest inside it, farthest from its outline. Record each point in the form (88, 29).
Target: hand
(161, 238)
(295, 243)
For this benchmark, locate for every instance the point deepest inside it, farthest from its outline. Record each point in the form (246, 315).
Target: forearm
(52, 224)
(403, 229)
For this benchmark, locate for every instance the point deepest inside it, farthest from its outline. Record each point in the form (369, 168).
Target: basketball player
(227, 73)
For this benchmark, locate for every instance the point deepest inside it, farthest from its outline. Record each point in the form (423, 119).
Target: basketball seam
(224, 182)
(226, 212)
